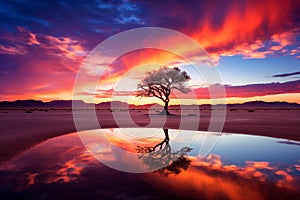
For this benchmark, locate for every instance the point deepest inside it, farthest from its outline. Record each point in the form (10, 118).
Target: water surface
(236, 167)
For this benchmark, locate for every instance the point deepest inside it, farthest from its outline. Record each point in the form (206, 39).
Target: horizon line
(148, 103)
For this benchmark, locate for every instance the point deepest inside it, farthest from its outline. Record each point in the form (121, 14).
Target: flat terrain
(19, 130)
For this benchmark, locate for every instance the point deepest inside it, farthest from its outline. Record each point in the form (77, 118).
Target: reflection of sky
(239, 166)
(240, 148)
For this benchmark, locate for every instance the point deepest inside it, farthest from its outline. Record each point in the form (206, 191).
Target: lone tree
(161, 82)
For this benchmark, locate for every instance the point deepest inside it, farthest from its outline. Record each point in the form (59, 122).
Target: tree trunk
(166, 108)
(166, 131)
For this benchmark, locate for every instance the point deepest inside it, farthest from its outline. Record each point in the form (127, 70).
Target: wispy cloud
(286, 74)
(13, 50)
(241, 91)
(253, 90)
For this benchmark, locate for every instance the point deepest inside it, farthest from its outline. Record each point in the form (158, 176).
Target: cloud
(252, 29)
(224, 25)
(39, 65)
(253, 90)
(286, 74)
(57, 39)
(29, 37)
(242, 91)
(27, 42)
(217, 26)
(37, 84)
(13, 50)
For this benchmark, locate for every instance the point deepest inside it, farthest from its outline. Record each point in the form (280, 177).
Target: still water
(187, 165)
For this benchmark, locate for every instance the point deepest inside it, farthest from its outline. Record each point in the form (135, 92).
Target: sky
(255, 46)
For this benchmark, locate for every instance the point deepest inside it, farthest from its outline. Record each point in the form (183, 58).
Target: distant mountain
(114, 104)
(123, 105)
(263, 104)
(21, 104)
(146, 106)
(41, 104)
(66, 104)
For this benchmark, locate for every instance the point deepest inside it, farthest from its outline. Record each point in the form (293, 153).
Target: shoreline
(20, 131)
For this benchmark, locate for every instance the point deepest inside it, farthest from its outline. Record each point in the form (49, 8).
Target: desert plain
(21, 129)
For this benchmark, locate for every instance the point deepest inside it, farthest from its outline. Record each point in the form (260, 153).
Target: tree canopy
(161, 82)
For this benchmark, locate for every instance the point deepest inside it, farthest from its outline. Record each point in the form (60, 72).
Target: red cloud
(243, 22)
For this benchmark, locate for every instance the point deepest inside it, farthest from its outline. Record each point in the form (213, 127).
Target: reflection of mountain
(162, 159)
(119, 104)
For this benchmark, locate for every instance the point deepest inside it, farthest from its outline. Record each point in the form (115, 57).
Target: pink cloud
(48, 45)
(13, 50)
(48, 66)
(27, 35)
(242, 91)
(276, 44)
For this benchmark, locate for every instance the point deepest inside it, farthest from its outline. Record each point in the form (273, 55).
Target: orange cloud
(243, 23)
(242, 29)
(135, 59)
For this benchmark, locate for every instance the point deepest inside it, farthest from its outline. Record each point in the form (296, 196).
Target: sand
(20, 130)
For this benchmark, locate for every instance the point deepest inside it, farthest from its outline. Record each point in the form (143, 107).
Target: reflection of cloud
(262, 171)
(128, 144)
(63, 170)
(31, 178)
(297, 167)
(287, 181)
(196, 183)
(63, 161)
(62, 164)
(101, 152)
(69, 171)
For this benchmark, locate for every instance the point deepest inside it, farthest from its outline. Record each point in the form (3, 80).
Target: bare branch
(160, 84)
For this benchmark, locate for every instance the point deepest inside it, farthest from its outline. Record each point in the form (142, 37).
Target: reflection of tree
(162, 159)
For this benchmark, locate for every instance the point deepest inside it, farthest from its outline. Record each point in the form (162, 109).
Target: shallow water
(206, 166)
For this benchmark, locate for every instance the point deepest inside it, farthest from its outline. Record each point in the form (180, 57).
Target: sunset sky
(255, 45)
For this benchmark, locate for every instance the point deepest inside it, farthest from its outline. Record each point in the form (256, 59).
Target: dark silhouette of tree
(160, 84)
(162, 159)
